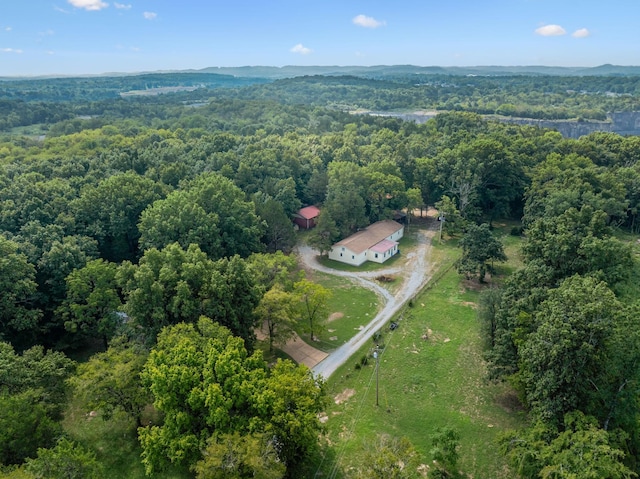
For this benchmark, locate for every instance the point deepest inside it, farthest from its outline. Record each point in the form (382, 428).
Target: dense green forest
(142, 241)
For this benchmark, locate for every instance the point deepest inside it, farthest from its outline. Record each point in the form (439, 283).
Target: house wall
(382, 257)
(397, 235)
(345, 255)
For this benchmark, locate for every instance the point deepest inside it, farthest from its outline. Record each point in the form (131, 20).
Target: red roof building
(306, 217)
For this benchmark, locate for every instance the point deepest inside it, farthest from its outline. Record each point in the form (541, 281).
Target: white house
(377, 242)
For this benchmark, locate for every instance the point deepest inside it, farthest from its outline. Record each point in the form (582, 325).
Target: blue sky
(40, 37)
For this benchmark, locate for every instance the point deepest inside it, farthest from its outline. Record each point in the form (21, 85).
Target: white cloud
(10, 50)
(121, 6)
(150, 15)
(301, 49)
(7, 29)
(89, 4)
(367, 22)
(551, 31)
(581, 33)
(47, 33)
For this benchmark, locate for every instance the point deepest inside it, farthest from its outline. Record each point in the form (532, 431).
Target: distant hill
(376, 71)
(393, 70)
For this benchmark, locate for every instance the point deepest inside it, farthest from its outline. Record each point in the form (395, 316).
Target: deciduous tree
(479, 246)
(240, 456)
(111, 380)
(312, 306)
(66, 460)
(276, 312)
(93, 302)
(17, 288)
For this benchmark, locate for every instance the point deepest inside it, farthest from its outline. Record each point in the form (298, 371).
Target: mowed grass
(351, 305)
(424, 384)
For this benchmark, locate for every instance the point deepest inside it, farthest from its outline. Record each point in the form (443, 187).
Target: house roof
(383, 246)
(370, 236)
(309, 212)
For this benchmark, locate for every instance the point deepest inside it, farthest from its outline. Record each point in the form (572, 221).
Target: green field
(350, 307)
(431, 374)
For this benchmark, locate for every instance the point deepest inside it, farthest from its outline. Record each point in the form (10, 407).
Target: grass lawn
(512, 245)
(350, 307)
(425, 383)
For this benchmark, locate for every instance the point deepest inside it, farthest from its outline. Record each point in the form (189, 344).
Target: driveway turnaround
(415, 273)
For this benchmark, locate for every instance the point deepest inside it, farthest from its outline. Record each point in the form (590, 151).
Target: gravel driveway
(415, 273)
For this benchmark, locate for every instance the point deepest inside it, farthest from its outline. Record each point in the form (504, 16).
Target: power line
(334, 469)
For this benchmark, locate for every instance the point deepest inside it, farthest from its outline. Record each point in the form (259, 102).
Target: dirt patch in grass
(474, 284)
(344, 396)
(509, 402)
(335, 316)
(385, 278)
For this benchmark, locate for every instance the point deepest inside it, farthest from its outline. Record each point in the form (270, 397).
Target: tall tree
(312, 306)
(32, 397)
(563, 357)
(208, 387)
(479, 246)
(18, 318)
(240, 228)
(179, 218)
(345, 196)
(580, 451)
(414, 202)
(445, 442)
(578, 242)
(276, 312)
(279, 234)
(273, 269)
(325, 233)
(452, 222)
(110, 212)
(173, 285)
(110, 381)
(93, 304)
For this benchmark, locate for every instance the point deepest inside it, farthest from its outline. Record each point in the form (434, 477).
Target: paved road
(415, 272)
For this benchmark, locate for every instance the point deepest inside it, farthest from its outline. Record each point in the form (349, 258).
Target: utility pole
(377, 358)
(441, 220)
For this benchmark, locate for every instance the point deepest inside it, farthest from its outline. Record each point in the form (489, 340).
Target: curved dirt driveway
(416, 270)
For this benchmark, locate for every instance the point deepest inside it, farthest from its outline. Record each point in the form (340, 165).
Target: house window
(353, 257)
(343, 248)
(340, 254)
(376, 255)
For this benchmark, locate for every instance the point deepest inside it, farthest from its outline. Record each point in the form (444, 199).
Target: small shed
(306, 217)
